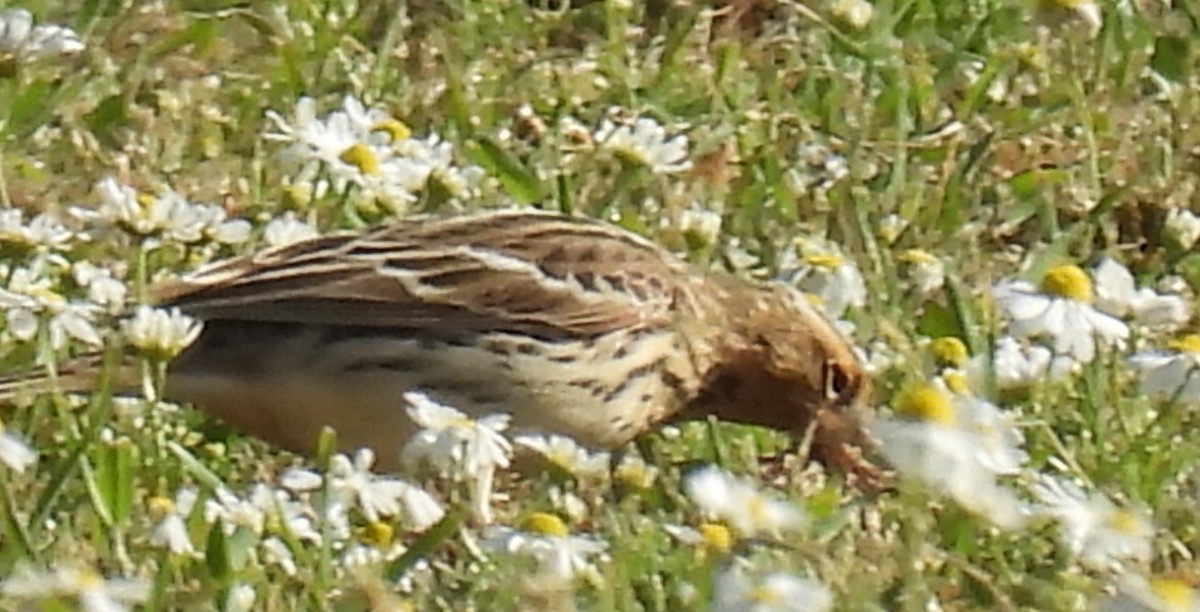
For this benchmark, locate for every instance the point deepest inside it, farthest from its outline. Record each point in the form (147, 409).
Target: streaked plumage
(571, 325)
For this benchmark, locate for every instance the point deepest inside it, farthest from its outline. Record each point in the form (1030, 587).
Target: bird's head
(789, 368)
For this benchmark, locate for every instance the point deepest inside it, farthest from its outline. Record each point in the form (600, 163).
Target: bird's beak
(840, 442)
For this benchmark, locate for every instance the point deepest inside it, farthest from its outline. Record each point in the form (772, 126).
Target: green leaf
(1172, 58)
(28, 110)
(108, 116)
(937, 321)
(240, 547)
(518, 180)
(196, 39)
(216, 556)
(193, 466)
(114, 479)
(426, 544)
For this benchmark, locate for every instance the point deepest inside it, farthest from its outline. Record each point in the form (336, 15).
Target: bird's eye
(838, 383)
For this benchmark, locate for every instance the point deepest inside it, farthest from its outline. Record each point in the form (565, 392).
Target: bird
(570, 325)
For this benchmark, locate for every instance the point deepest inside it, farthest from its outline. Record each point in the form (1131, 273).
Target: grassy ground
(1001, 136)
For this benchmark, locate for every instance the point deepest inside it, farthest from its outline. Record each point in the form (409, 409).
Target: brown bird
(570, 325)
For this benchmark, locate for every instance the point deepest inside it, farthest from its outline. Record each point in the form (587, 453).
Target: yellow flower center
(545, 524)
(563, 458)
(1124, 521)
(757, 509)
(1069, 282)
(395, 129)
(460, 421)
(16, 238)
(48, 297)
(925, 402)
(88, 580)
(1031, 55)
(379, 534)
(948, 351)
(765, 596)
(956, 381)
(1175, 593)
(716, 537)
(635, 474)
(829, 261)
(160, 506)
(361, 157)
(917, 256)
(146, 199)
(1187, 344)
(297, 197)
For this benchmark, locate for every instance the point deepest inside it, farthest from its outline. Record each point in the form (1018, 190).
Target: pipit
(570, 325)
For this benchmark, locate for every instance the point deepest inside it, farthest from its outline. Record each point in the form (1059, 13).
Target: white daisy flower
(1086, 11)
(276, 552)
(1182, 227)
(948, 352)
(467, 449)
(14, 451)
(633, 471)
(855, 13)
(371, 150)
(296, 519)
(30, 297)
(377, 496)
(741, 505)
(451, 437)
(891, 227)
(713, 537)
(957, 445)
(91, 591)
(735, 591)
(232, 512)
(822, 272)
(1099, 534)
(20, 38)
(877, 357)
(168, 215)
(560, 555)
(567, 454)
(172, 532)
(159, 332)
(1117, 294)
(1060, 310)
(926, 271)
(314, 139)
(645, 143)
(102, 288)
(437, 158)
(700, 226)
(1017, 366)
(1000, 442)
(241, 598)
(301, 480)
(42, 232)
(1171, 374)
(1139, 594)
(373, 124)
(287, 229)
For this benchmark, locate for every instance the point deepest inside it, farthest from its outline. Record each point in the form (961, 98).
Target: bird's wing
(542, 274)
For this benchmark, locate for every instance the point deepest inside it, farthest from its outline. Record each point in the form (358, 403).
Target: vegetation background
(1000, 137)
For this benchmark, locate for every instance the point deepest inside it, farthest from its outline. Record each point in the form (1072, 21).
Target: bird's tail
(111, 371)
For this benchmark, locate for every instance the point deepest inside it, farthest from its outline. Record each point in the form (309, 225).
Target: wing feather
(542, 274)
